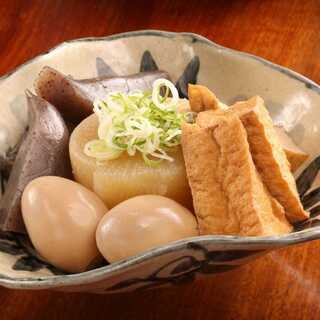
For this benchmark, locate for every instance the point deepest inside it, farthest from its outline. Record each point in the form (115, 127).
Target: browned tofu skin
(295, 155)
(201, 154)
(269, 157)
(296, 159)
(229, 196)
(201, 98)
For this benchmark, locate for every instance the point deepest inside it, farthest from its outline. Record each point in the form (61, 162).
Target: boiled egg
(61, 217)
(141, 223)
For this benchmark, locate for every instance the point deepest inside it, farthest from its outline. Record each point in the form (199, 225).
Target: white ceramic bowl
(293, 101)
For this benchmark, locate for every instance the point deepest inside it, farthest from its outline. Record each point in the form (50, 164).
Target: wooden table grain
(283, 284)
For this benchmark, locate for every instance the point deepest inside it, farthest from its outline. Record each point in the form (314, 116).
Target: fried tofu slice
(295, 155)
(201, 99)
(229, 196)
(269, 157)
(267, 152)
(201, 155)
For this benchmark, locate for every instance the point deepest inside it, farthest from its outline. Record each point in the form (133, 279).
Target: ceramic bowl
(293, 102)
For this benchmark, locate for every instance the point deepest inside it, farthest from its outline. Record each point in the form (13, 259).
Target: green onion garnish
(144, 122)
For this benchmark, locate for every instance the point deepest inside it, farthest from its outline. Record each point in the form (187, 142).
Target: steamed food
(141, 223)
(166, 168)
(61, 218)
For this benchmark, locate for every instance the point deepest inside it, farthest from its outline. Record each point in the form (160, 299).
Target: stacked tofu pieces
(238, 172)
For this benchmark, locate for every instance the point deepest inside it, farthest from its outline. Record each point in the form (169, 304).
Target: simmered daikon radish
(127, 176)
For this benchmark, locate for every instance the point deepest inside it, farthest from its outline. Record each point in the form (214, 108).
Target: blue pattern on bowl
(180, 261)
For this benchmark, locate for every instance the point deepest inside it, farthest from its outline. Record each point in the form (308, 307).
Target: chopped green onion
(99, 150)
(144, 122)
(161, 102)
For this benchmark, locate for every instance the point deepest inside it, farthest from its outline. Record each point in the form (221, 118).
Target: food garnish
(74, 98)
(145, 122)
(117, 180)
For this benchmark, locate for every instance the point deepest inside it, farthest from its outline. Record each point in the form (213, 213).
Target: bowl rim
(251, 243)
(95, 275)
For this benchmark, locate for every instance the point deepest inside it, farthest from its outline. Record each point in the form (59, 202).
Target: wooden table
(283, 284)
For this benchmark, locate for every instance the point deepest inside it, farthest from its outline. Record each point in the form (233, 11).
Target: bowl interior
(292, 100)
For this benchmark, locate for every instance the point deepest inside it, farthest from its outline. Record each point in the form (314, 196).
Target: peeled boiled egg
(61, 217)
(141, 223)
